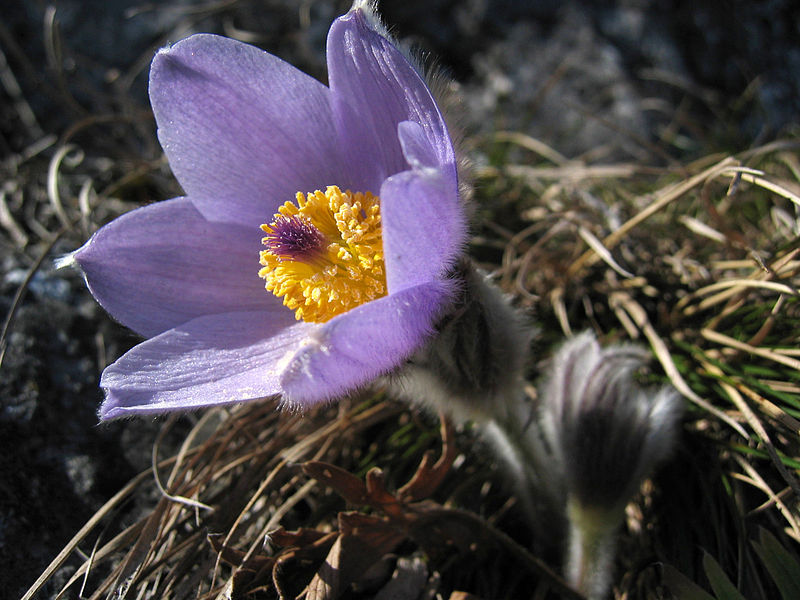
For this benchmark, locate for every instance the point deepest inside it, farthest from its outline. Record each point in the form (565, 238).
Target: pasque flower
(349, 191)
(605, 434)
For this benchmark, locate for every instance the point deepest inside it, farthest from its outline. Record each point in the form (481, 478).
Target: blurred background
(604, 82)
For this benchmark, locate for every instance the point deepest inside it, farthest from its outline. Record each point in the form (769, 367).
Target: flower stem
(592, 545)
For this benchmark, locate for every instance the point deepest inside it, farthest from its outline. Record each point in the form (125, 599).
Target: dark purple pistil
(294, 238)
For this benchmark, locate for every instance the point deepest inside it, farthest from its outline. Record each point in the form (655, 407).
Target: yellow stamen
(325, 253)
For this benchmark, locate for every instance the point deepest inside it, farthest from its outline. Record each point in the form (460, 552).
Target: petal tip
(369, 10)
(363, 14)
(177, 58)
(109, 410)
(67, 260)
(166, 59)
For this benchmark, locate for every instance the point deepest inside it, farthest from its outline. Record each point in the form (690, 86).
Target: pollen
(324, 253)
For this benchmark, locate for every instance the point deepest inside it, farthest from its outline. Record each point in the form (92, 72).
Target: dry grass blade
(145, 546)
(22, 289)
(639, 316)
(757, 427)
(71, 156)
(21, 105)
(107, 509)
(292, 501)
(18, 235)
(662, 198)
(557, 302)
(532, 144)
(758, 480)
(178, 462)
(772, 411)
(574, 172)
(602, 252)
(119, 543)
(784, 267)
(771, 354)
(782, 189)
(701, 228)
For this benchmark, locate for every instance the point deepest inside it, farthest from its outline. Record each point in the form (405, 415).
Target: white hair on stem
(606, 434)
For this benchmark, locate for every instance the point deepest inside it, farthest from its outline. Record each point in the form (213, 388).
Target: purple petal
(218, 359)
(354, 348)
(416, 147)
(374, 88)
(424, 227)
(162, 265)
(243, 130)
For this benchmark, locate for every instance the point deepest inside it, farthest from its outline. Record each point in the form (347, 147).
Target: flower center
(324, 254)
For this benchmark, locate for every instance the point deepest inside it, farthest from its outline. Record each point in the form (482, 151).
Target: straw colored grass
(698, 260)
(702, 267)
(258, 503)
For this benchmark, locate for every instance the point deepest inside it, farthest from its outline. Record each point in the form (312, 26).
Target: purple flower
(606, 432)
(255, 142)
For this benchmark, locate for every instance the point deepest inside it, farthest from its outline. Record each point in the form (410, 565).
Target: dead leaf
(429, 477)
(379, 497)
(348, 486)
(463, 596)
(248, 572)
(363, 541)
(295, 566)
(298, 538)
